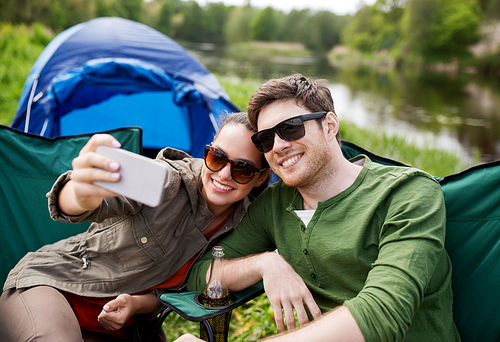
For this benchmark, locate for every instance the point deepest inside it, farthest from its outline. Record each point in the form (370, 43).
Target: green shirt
(377, 247)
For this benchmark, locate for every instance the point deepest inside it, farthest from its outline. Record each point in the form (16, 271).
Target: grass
(20, 45)
(252, 321)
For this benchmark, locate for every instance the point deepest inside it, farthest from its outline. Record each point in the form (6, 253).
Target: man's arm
(337, 325)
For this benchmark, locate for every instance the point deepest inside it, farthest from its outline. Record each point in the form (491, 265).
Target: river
(456, 112)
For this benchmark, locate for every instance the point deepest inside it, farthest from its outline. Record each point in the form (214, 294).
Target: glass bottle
(216, 294)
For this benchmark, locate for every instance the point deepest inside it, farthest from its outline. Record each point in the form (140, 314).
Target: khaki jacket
(129, 247)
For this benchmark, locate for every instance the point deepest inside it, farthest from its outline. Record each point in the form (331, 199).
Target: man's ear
(263, 176)
(331, 126)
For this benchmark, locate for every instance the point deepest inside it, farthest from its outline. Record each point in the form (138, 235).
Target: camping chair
(188, 307)
(472, 200)
(29, 165)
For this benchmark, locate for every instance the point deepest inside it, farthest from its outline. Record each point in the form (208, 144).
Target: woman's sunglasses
(242, 171)
(289, 130)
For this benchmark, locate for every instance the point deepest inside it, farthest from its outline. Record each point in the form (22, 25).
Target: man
(353, 236)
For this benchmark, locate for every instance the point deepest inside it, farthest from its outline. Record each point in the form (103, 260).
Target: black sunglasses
(242, 171)
(289, 130)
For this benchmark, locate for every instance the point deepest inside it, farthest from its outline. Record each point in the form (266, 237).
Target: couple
(354, 236)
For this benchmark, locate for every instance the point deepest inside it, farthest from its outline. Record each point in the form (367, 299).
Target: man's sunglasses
(242, 171)
(289, 130)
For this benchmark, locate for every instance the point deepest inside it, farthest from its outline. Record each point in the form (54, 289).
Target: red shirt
(87, 309)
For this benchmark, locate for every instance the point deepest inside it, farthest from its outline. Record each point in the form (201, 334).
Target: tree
(238, 25)
(164, 23)
(293, 26)
(375, 27)
(103, 8)
(192, 27)
(217, 16)
(129, 9)
(264, 25)
(322, 31)
(441, 27)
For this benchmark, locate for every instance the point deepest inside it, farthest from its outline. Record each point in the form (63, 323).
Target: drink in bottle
(216, 294)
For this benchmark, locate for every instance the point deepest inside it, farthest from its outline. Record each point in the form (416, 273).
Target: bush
(20, 46)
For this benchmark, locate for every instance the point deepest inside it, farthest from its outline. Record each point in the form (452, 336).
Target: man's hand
(117, 312)
(287, 291)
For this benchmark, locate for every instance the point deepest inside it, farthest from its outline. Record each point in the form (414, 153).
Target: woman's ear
(263, 176)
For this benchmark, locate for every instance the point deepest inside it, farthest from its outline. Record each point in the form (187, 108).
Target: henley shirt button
(313, 275)
(305, 251)
(144, 239)
(303, 228)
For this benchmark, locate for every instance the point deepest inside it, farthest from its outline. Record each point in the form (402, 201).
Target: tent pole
(30, 101)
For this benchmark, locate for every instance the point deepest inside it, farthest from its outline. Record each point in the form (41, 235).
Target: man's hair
(313, 95)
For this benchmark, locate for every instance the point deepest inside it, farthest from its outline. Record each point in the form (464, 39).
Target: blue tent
(111, 72)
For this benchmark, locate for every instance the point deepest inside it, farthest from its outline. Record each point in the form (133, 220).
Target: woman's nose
(225, 172)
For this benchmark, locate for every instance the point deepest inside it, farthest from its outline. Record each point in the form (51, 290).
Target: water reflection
(457, 112)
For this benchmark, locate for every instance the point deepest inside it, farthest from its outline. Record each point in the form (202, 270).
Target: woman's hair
(313, 95)
(235, 118)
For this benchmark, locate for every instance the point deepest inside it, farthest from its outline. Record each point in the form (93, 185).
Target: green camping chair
(29, 165)
(187, 306)
(472, 200)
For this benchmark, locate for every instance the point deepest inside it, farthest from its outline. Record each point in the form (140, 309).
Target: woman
(88, 286)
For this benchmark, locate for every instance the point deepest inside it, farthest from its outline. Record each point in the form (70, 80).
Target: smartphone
(142, 178)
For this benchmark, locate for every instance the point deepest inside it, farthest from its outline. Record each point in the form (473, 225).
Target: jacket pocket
(132, 243)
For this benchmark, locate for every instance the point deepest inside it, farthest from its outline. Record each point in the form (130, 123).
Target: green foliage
(164, 23)
(322, 31)
(240, 90)
(374, 28)
(264, 25)
(491, 8)
(489, 64)
(429, 158)
(294, 26)
(192, 26)
(20, 46)
(217, 16)
(237, 29)
(129, 9)
(441, 27)
(103, 8)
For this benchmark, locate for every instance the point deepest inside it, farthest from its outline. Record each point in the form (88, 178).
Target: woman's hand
(118, 311)
(80, 194)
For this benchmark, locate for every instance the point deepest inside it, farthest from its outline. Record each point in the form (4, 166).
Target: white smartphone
(142, 179)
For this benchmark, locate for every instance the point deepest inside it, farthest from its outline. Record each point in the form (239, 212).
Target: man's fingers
(313, 308)
(278, 316)
(301, 315)
(289, 317)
